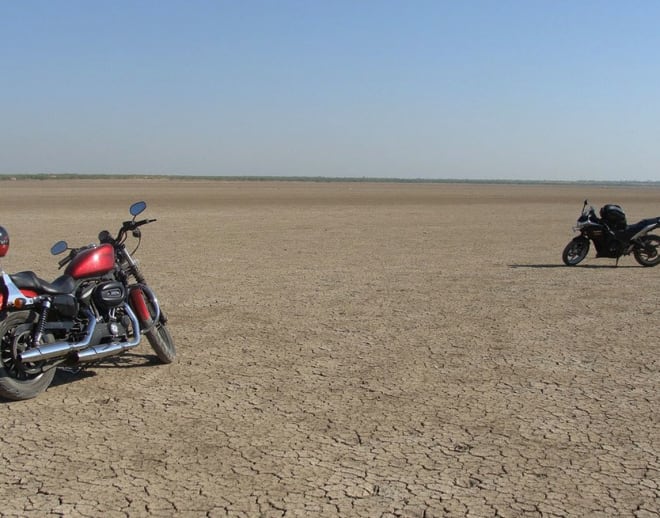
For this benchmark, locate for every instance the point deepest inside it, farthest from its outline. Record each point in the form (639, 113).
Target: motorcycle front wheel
(575, 251)
(647, 254)
(19, 381)
(159, 336)
(162, 343)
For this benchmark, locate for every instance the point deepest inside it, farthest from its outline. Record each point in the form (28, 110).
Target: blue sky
(538, 90)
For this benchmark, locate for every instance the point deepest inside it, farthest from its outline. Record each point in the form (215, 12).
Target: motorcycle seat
(29, 281)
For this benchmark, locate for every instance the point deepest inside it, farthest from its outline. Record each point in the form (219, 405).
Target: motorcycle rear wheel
(15, 383)
(575, 251)
(648, 254)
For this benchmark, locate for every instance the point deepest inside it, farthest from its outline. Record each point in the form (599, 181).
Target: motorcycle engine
(109, 295)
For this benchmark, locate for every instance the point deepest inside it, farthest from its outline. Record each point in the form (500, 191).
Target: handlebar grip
(132, 225)
(143, 222)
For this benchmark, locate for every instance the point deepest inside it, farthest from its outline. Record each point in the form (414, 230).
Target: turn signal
(19, 303)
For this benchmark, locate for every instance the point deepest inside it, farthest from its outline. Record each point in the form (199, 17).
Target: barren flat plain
(348, 349)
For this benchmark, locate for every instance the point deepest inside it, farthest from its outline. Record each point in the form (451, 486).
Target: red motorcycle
(100, 307)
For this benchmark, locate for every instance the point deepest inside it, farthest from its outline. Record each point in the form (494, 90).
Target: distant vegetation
(46, 176)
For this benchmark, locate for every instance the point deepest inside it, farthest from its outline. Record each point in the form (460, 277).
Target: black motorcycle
(613, 237)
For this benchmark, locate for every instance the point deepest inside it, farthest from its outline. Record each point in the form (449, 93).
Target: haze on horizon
(430, 89)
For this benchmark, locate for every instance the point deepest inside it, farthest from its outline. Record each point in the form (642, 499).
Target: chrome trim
(82, 350)
(103, 350)
(47, 351)
(13, 292)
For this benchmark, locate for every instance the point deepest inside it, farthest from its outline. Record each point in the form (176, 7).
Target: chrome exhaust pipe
(48, 351)
(103, 350)
(100, 351)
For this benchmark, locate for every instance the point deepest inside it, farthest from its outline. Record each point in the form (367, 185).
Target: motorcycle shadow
(65, 375)
(590, 266)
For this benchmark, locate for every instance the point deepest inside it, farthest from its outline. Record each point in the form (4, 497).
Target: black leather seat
(30, 281)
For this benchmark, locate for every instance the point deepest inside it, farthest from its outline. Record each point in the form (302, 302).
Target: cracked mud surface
(348, 350)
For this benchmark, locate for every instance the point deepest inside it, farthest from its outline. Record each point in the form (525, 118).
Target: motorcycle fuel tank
(92, 262)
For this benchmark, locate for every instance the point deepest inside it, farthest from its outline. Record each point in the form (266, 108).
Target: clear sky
(476, 89)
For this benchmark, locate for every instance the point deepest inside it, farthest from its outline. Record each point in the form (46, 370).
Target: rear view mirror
(59, 247)
(137, 208)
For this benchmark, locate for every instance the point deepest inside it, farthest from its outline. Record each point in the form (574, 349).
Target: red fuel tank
(92, 262)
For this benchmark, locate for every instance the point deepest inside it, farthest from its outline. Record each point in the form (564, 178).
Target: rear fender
(646, 230)
(11, 297)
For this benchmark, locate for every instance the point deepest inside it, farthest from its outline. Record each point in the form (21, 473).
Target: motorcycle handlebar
(106, 237)
(132, 225)
(144, 222)
(127, 226)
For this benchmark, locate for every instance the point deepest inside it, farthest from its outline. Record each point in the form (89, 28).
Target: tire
(648, 254)
(15, 383)
(162, 343)
(575, 251)
(159, 336)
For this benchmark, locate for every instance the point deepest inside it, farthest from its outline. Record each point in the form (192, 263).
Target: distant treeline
(65, 176)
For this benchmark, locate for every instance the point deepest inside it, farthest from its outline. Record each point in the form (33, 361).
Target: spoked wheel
(153, 322)
(648, 253)
(159, 336)
(162, 343)
(575, 251)
(19, 381)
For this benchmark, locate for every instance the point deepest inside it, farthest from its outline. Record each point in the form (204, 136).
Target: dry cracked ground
(348, 349)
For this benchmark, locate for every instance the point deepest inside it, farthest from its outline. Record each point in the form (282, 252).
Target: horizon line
(321, 179)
